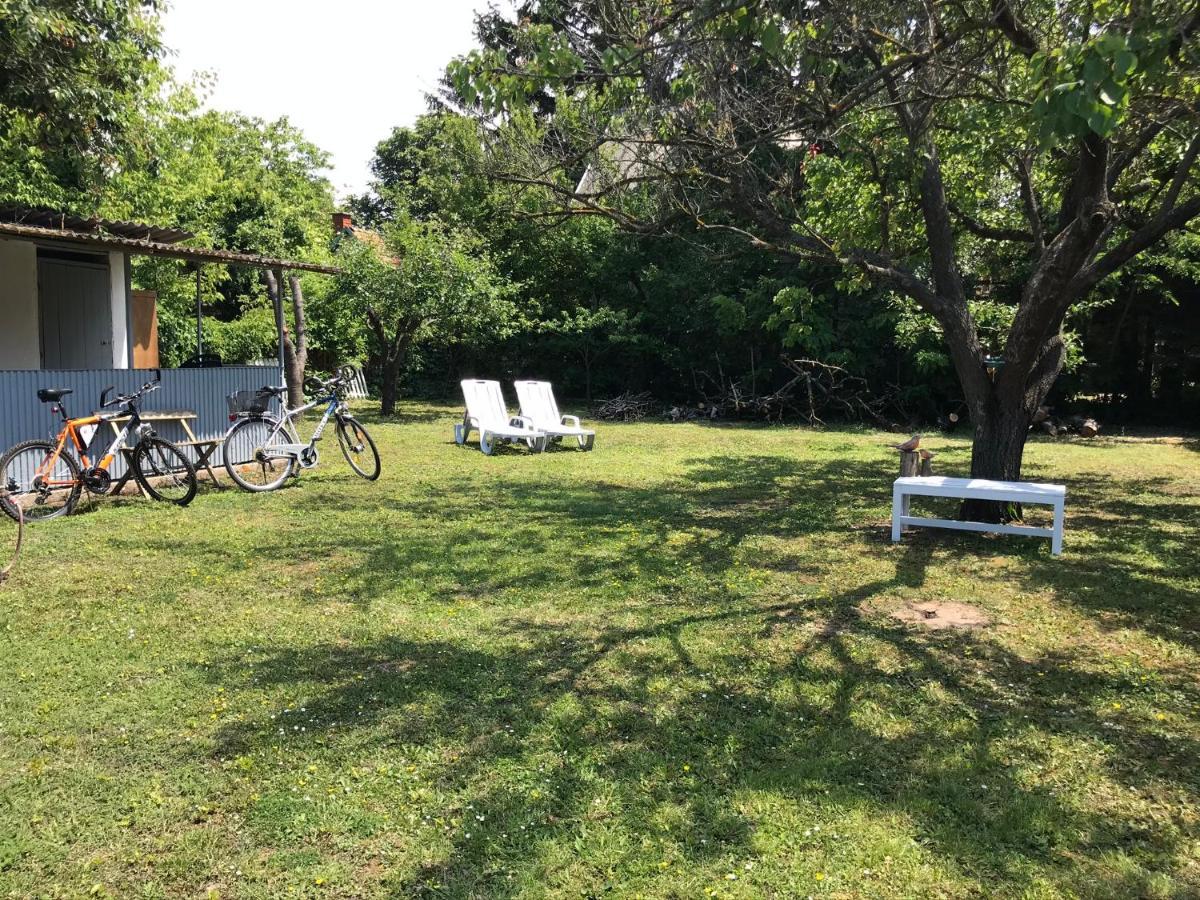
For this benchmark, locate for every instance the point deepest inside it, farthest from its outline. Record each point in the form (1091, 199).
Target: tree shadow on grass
(821, 721)
(805, 700)
(1139, 552)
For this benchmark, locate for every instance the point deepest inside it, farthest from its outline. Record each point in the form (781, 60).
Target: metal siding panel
(203, 391)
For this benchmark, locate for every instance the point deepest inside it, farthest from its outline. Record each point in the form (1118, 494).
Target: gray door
(76, 314)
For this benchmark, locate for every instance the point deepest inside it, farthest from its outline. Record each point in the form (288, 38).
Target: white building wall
(120, 310)
(20, 340)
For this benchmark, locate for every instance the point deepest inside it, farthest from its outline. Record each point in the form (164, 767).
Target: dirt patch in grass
(932, 615)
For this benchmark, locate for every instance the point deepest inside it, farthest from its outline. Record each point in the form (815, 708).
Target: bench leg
(899, 504)
(1057, 539)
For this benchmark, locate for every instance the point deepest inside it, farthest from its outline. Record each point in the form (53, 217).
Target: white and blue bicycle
(262, 449)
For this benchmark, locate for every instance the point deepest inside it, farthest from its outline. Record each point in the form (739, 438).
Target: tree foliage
(73, 74)
(427, 286)
(235, 182)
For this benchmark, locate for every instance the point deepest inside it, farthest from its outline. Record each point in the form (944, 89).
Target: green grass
(641, 671)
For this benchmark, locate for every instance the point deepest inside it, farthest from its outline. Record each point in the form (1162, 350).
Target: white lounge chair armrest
(571, 420)
(522, 422)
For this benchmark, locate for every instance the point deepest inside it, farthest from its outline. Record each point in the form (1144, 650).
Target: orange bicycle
(41, 479)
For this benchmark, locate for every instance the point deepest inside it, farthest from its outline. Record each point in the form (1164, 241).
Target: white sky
(345, 72)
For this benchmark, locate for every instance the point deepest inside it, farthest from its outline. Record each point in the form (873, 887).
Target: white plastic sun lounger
(487, 414)
(539, 406)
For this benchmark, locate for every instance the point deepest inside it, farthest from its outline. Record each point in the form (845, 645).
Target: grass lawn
(665, 668)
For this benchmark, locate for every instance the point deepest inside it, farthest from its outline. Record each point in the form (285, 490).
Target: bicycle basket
(252, 403)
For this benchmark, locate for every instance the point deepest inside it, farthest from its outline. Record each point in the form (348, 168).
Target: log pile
(1044, 421)
(816, 391)
(702, 410)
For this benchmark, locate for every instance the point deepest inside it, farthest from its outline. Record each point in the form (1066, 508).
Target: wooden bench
(979, 489)
(204, 447)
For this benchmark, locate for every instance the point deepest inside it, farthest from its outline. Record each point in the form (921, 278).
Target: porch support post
(278, 298)
(199, 316)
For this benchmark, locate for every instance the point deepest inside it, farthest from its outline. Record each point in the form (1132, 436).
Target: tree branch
(990, 232)
(1166, 221)
(1029, 198)
(1013, 28)
(1181, 173)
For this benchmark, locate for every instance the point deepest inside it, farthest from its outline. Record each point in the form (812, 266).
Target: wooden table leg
(123, 480)
(202, 456)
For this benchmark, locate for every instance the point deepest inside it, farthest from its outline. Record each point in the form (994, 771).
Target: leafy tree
(427, 286)
(73, 74)
(923, 146)
(432, 170)
(236, 182)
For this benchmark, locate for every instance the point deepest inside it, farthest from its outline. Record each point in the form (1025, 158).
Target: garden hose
(7, 570)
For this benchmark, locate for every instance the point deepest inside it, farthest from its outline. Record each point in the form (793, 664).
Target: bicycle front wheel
(164, 472)
(249, 459)
(37, 482)
(358, 448)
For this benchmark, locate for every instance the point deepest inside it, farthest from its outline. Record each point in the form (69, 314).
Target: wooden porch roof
(149, 247)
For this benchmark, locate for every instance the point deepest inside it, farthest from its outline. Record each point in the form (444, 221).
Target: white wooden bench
(979, 489)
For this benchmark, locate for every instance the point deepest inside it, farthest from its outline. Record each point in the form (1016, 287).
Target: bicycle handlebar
(315, 385)
(121, 399)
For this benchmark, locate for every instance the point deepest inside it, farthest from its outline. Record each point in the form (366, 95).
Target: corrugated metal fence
(203, 391)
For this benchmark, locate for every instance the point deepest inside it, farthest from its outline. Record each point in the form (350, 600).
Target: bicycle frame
(71, 429)
(286, 423)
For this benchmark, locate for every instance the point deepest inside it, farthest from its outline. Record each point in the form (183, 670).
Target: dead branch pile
(628, 407)
(816, 391)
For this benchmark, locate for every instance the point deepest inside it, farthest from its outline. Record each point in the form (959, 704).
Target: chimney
(342, 222)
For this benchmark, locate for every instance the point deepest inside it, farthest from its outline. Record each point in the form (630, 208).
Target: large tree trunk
(1001, 418)
(390, 388)
(996, 454)
(393, 368)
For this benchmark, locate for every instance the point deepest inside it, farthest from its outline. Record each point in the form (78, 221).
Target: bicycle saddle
(53, 395)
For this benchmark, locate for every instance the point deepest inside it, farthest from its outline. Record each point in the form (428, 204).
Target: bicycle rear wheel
(249, 460)
(358, 448)
(52, 493)
(164, 472)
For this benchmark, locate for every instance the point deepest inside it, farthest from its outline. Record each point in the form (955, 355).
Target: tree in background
(923, 146)
(427, 286)
(236, 182)
(73, 75)
(606, 311)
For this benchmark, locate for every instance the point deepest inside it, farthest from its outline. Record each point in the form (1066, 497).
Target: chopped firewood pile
(1045, 422)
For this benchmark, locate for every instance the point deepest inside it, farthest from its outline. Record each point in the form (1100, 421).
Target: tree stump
(910, 465)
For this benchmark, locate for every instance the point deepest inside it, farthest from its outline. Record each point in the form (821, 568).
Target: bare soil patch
(932, 615)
